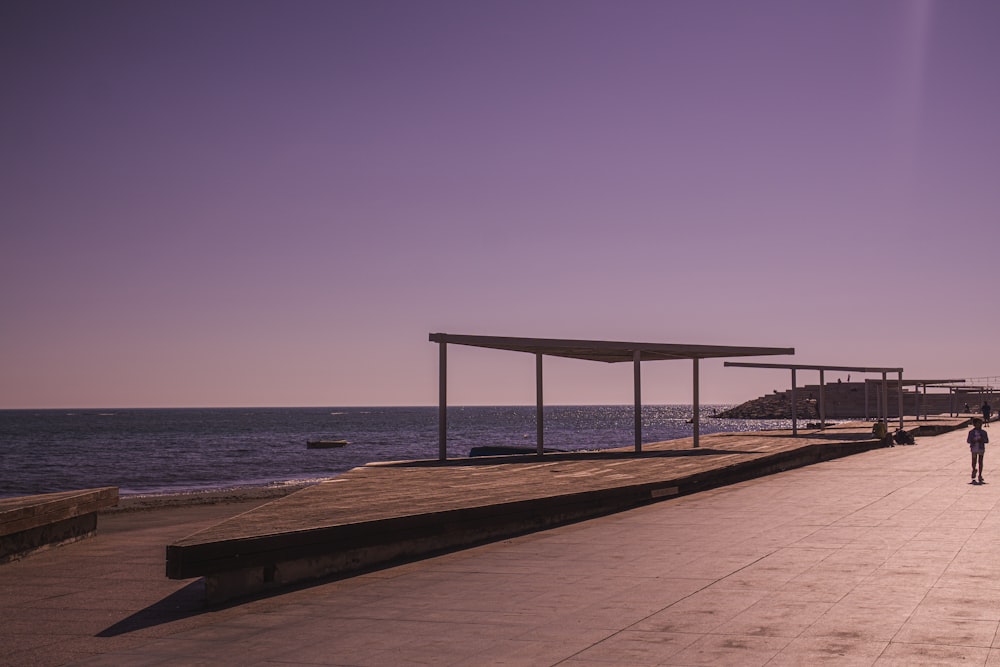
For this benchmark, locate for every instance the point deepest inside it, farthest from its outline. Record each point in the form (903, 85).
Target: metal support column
(899, 399)
(822, 400)
(442, 400)
(795, 423)
(695, 403)
(636, 359)
(539, 406)
(885, 401)
(866, 400)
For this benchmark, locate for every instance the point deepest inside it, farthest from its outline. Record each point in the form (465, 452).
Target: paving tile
(24, 643)
(526, 653)
(743, 651)
(822, 585)
(704, 611)
(972, 604)
(929, 628)
(775, 617)
(828, 650)
(868, 623)
(634, 647)
(899, 654)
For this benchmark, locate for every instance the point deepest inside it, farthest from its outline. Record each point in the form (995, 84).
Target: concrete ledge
(245, 566)
(929, 429)
(32, 523)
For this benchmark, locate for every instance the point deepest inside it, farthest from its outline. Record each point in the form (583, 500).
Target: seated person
(881, 432)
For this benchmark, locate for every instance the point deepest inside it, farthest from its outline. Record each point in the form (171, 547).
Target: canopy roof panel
(607, 351)
(816, 367)
(909, 383)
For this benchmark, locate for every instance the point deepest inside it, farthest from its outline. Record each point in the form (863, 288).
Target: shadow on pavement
(188, 601)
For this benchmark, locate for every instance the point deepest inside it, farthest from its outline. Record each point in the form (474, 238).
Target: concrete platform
(382, 514)
(882, 558)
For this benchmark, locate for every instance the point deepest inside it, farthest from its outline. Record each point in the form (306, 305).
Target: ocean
(156, 451)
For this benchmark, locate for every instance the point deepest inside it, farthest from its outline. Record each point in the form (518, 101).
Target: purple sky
(273, 203)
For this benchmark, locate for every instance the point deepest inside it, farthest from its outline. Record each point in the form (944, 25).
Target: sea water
(150, 451)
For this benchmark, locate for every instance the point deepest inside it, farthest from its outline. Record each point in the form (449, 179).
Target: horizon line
(352, 407)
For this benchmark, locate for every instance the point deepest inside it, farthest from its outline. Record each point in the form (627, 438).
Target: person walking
(987, 413)
(977, 440)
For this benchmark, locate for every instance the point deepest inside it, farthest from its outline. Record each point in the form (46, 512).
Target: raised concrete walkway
(884, 557)
(377, 514)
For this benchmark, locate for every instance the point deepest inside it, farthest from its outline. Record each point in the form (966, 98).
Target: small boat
(325, 444)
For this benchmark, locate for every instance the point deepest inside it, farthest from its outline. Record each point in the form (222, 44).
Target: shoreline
(239, 494)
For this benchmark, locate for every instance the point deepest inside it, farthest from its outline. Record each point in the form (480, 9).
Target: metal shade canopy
(590, 350)
(822, 368)
(606, 350)
(918, 385)
(982, 391)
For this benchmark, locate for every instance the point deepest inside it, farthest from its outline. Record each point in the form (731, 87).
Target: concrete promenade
(885, 557)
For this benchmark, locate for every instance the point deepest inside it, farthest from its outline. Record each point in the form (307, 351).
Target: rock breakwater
(843, 400)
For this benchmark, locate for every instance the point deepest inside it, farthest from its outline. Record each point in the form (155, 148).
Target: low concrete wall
(32, 523)
(937, 429)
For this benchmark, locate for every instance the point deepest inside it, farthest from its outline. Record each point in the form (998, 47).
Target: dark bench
(32, 523)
